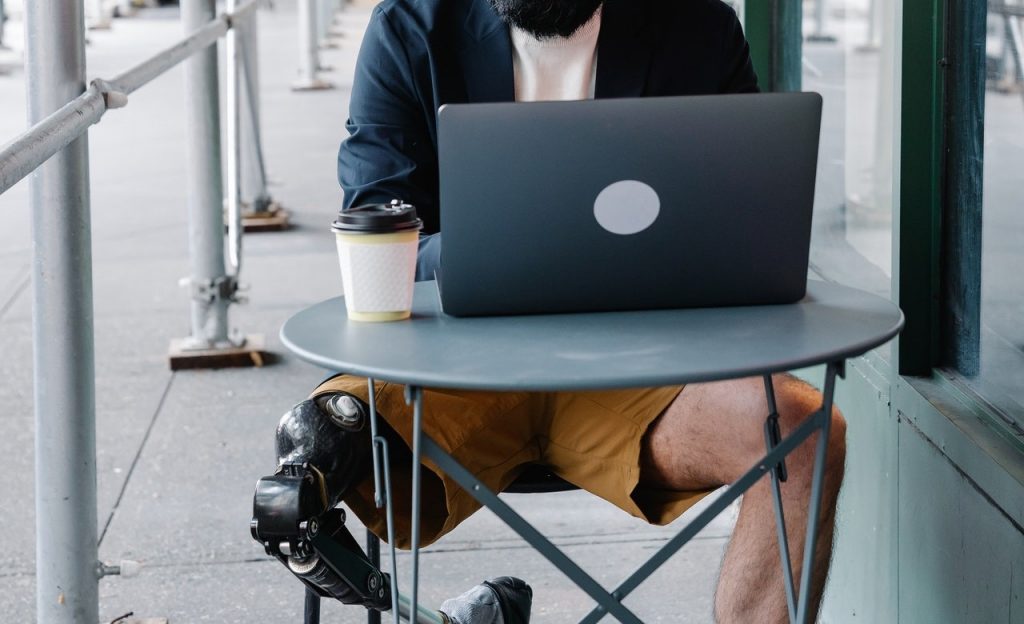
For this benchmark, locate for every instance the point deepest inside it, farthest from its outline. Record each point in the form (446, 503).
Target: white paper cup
(377, 274)
(377, 247)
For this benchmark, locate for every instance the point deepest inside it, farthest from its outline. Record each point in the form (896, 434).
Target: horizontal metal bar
(423, 615)
(21, 156)
(35, 146)
(159, 63)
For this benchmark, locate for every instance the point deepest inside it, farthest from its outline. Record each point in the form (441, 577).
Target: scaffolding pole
(211, 343)
(67, 569)
(254, 188)
(3, 22)
(262, 213)
(99, 17)
(210, 285)
(309, 54)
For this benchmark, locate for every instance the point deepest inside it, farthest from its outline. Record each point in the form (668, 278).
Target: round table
(606, 350)
(598, 350)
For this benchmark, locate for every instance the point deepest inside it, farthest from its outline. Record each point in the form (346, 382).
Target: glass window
(850, 57)
(1001, 380)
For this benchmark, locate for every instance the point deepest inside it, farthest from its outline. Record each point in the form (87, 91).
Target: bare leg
(710, 435)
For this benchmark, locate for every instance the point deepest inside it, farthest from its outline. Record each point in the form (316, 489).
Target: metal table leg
(382, 491)
(798, 604)
(773, 463)
(778, 474)
(817, 480)
(414, 395)
(610, 602)
(770, 463)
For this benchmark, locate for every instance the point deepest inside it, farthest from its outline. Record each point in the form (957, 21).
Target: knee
(329, 434)
(837, 436)
(796, 401)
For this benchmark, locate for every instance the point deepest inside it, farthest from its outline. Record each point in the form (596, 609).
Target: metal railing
(55, 151)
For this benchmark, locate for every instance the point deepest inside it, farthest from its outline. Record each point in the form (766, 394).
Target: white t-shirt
(557, 68)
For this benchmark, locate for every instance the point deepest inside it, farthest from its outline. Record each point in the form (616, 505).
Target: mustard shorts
(589, 438)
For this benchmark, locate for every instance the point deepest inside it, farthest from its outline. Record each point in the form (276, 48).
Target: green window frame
(936, 273)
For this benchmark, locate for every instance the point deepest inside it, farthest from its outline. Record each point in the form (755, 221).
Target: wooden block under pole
(251, 353)
(274, 219)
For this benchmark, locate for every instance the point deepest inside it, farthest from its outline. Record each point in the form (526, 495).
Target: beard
(545, 19)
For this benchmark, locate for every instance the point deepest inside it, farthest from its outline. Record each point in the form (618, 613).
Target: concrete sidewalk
(179, 453)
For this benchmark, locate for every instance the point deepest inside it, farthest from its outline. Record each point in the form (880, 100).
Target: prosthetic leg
(323, 449)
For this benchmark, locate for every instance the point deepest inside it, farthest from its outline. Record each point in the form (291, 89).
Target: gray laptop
(626, 204)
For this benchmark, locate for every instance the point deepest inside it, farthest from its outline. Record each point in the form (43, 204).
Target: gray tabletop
(589, 351)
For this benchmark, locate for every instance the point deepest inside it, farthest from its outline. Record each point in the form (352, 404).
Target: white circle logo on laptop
(626, 207)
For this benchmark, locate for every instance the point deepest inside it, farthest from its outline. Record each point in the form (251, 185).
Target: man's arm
(738, 75)
(389, 153)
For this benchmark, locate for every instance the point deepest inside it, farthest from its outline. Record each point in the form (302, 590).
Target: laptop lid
(621, 204)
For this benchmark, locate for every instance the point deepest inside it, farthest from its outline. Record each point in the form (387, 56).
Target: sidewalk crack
(135, 460)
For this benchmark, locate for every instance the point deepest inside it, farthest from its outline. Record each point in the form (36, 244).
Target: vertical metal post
(253, 181)
(309, 54)
(233, 108)
(62, 328)
(1014, 47)
(922, 147)
(774, 30)
(819, 34)
(788, 45)
(212, 289)
(874, 25)
(323, 21)
(98, 18)
(962, 207)
(3, 22)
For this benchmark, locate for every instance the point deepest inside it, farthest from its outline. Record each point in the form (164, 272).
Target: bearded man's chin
(545, 19)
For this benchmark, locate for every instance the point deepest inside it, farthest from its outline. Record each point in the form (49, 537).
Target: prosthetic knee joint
(323, 449)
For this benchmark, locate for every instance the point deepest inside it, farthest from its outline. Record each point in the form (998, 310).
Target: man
(652, 452)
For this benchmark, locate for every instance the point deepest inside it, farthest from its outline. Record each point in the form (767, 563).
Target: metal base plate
(274, 219)
(251, 353)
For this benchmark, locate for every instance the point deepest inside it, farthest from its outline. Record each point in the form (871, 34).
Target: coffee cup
(377, 246)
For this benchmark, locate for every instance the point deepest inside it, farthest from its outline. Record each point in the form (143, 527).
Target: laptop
(626, 204)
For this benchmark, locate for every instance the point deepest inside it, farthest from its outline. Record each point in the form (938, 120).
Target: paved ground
(179, 453)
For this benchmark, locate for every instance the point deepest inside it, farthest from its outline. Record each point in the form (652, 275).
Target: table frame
(610, 603)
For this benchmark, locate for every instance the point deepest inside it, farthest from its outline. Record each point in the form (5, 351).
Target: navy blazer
(419, 54)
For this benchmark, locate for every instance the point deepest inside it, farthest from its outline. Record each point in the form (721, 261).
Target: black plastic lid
(378, 219)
